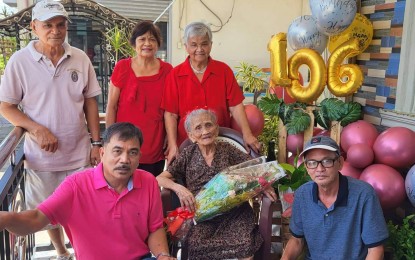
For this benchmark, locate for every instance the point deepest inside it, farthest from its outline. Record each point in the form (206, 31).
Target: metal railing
(12, 196)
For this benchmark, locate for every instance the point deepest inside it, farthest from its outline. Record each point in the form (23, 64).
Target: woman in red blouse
(135, 93)
(202, 82)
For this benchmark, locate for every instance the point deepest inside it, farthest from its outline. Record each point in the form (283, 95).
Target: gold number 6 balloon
(337, 71)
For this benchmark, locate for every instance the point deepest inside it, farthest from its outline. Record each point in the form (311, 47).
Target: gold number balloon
(278, 50)
(318, 78)
(361, 29)
(337, 71)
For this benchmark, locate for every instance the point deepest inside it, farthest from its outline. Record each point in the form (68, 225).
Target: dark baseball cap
(321, 142)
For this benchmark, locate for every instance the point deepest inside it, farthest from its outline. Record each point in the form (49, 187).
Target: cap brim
(49, 16)
(324, 147)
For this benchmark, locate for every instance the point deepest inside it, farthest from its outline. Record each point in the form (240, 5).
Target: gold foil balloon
(278, 50)
(361, 29)
(337, 71)
(318, 79)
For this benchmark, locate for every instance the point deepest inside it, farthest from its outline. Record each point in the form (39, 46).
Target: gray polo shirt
(53, 97)
(346, 230)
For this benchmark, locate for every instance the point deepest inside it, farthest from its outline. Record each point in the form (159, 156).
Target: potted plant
(401, 242)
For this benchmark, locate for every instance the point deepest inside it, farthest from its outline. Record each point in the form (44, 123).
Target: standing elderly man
(336, 216)
(56, 88)
(112, 211)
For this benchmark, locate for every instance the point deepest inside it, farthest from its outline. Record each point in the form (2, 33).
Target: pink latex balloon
(388, 184)
(360, 155)
(317, 131)
(395, 147)
(356, 133)
(295, 143)
(255, 118)
(291, 159)
(349, 170)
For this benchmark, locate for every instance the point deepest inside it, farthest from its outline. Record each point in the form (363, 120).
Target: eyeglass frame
(321, 162)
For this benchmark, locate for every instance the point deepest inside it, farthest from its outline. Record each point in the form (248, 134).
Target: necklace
(196, 71)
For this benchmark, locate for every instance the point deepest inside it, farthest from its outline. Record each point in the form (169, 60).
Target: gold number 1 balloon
(277, 47)
(337, 71)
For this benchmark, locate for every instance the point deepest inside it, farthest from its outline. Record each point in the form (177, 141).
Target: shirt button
(326, 215)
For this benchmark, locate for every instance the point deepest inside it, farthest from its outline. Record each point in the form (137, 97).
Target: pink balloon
(255, 118)
(317, 131)
(356, 133)
(291, 159)
(395, 147)
(325, 133)
(349, 170)
(360, 155)
(388, 184)
(295, 143)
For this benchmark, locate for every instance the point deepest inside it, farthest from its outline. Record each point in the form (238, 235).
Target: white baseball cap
(47, 9)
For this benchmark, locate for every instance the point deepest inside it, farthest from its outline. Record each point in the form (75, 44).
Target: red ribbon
(175, 219)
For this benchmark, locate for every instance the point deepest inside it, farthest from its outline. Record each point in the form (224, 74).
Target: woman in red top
(135, 93)
(202, 82)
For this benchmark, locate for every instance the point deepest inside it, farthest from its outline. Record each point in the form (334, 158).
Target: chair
(269, 215)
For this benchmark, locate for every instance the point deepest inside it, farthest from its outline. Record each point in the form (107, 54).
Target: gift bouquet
(230, 188)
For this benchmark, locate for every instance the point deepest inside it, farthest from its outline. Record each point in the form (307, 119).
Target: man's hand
(171, 153)
(45, 139)
(95, 157)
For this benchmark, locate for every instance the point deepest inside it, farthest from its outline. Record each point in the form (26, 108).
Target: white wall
(245, 36)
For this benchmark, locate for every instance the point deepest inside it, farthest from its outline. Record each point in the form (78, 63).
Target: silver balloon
(333, 16)
(303, 33)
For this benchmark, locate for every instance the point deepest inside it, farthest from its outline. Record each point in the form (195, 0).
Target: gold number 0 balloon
(337, 71)
(278, 50)
(318, 77)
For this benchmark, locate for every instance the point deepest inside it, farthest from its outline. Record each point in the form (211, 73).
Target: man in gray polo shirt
(56, 88)
(335, 216)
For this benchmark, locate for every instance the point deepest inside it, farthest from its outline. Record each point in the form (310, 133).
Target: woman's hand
(187, 200)
(270, 193)
(252, 143)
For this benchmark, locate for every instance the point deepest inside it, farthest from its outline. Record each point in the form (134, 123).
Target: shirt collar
(343, 193)
(37, 55)
(187, 69)
(100, 182)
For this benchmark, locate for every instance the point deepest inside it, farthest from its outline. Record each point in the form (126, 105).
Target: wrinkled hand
(252, 143)
(187, 200)
(45, 139)
(94, 156)
(270, 193)
(171, 153)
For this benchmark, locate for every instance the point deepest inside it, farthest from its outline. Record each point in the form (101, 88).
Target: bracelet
(162, 254)
(96, 143)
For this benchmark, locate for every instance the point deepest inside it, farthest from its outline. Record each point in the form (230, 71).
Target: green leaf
(299, 122)
(270, 105)
(321, 118)
(334, 108)
(353, 113)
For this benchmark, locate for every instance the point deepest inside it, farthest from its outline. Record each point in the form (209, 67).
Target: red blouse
(184, 92)
(139, 104)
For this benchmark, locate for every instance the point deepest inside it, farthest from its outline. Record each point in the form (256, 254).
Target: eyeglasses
(326, 163)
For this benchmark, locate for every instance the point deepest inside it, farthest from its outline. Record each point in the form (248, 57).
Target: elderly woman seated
(231, 235)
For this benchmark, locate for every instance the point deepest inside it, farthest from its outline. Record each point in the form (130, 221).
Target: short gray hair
(197, 29)
(197, 112)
